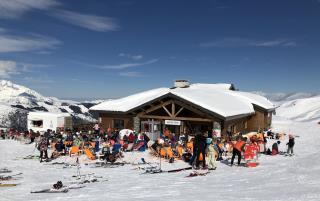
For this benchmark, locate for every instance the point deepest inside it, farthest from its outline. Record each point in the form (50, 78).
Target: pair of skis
(64, 189)
(158, 170)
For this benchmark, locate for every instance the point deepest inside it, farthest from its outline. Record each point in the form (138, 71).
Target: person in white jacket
(211, 156)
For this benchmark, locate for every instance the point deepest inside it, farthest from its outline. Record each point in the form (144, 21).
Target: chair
(74, 150)
(180, 151)
(89, 154)
(163, 153)
(169, 152)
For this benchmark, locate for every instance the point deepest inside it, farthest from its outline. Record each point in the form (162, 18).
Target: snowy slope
(16, 97)
(277, 178)
(284, 97)
(304, 109)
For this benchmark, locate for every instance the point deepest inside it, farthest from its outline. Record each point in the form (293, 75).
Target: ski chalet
(188, 109)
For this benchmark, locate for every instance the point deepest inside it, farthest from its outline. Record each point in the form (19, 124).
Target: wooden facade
(192, 118)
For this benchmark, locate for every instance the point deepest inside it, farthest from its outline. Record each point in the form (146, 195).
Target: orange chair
(53, 146)
(74, 150)
(169, 152)
(163, 152)
(93, 144)
(180, 151)
(89, 154)
(190, 146)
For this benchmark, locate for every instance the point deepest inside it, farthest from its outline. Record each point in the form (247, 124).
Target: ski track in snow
(276, 178)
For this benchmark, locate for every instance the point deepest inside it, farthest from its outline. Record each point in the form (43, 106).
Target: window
(246, 124)
(118, 124)
(38, 124)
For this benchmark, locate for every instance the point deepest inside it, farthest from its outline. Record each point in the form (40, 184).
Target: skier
(43, 147)
(237, 149)
(290, 145)
(211, 156)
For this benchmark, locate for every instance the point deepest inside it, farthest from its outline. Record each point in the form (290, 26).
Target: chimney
(181, 83)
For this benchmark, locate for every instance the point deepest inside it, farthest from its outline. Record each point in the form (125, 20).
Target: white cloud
(10, 43)
(129, 65)
(130, 74)
(28, 67)
(245, 42)
(91, 22)
(135, 57)
(7, 68)
(16, 8)
(39, 80)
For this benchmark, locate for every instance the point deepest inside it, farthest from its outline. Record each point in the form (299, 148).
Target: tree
(18, 120)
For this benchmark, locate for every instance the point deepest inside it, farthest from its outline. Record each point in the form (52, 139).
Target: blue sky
(108, 49)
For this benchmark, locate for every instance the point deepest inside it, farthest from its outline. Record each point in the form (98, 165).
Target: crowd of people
(201, 149)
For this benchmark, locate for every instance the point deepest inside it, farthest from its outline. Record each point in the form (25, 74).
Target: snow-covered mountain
(284, 97)
(16, 97)
(302, 109)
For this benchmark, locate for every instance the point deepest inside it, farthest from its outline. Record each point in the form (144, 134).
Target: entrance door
(173, 129)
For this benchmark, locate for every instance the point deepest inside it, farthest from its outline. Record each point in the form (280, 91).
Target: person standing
(290, 145)
(96, 128)
(43, 147)
(237, 149)
(211, 156)
(201, 149)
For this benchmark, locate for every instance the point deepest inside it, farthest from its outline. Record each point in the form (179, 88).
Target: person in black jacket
(290, 145)
(201, 148)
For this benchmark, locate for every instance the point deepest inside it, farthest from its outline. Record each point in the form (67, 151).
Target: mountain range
(13, 97)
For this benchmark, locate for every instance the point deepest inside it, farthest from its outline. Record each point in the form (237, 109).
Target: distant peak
(6, 83)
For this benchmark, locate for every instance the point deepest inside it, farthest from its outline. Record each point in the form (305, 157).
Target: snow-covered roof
(217, 98)
(46, 114)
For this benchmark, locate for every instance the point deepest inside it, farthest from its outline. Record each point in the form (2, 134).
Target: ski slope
(304, 109)
(276, 178)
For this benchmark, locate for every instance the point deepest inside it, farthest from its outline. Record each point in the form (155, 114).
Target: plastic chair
(163, 152)
(74, 150)
(169, 152)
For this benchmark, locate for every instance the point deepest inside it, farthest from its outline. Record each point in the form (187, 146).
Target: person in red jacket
(237, 149)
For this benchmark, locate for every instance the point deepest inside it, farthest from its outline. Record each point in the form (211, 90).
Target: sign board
(172, 122)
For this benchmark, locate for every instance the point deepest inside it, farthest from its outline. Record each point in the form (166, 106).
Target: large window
(38, 123)
(118, 124)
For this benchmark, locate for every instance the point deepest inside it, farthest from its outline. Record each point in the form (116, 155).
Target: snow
(276, 178)
(130, 102)
(13, 95)
(214, 97)
(305, 109)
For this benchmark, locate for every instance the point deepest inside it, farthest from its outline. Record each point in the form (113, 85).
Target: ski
(7, 185)
(196, 173)
(52, 190)
(156, 171)
(9, 177)
(5, 170)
